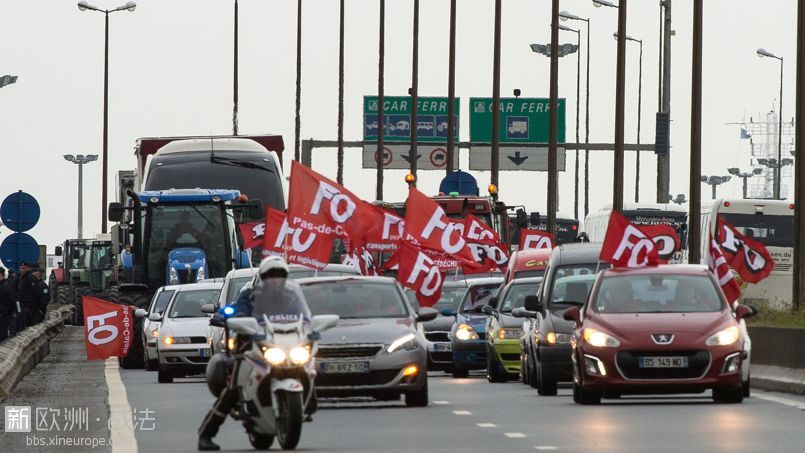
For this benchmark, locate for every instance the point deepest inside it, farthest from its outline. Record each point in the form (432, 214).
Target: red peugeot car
(664, 329)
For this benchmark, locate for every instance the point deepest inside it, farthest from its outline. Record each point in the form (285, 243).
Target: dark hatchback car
(568, 280)
(376, 349)
(468, 334)
(437, 331)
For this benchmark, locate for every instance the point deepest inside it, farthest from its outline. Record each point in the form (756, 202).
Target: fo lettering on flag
(533, 239)
(252, 234)
(108, 328)
(430, 227)
(419, 272)
(626, 245)
(748, 257)
(718, 265)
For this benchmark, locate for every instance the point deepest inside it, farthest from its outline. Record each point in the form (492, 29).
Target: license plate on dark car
(441, 347)
(343, 367)
(664, 362)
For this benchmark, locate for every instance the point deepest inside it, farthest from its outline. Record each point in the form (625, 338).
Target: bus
(770, 222)
(595, 225)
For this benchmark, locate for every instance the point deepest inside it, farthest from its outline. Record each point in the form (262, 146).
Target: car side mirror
(208, 309)
(156, 317)
(478, 308)
(320, 323)
(489, 310)
(448, 312)
(58, 250)
(521, 312)
(115, 212)
(572, 314)
(140, 313)
(426, 314)
(744, 312)
(532, 303)
(256, 211)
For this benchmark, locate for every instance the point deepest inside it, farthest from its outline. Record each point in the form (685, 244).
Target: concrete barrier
(778, 358)
(19, 354)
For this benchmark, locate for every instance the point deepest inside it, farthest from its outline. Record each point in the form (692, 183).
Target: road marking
(787, 402)
(544, 447)
(462, 412)
(441, 403)
(514, 435)
(487, 425)
(123, 440)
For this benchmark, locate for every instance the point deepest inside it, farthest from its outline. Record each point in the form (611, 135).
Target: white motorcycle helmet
(273, 266)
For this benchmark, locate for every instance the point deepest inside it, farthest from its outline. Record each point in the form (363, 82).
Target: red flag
(363, 260)
(533, 239)
(625, 245)
(387, 231)
(420, 273)
(275, 231)
(747, 256)
(108, 328)
(299, 245)
(426, 221)
(478, 232)
(320, 205)
(721, 269)
(665, 237)
(252, 234)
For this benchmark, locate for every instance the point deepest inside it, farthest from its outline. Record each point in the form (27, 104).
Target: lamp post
(7, 80)
(340, 153)
(639, 114)
(714, 181)
(80, 160)
(735, 171)
(298, 118)
(451, 91)
(235, 73)
(578, 99)
(620, 94)
(565, 16)
(84, 6)
(763, 53)
(777, 167)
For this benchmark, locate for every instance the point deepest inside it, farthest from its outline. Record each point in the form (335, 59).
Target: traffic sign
(17, 248)
(20, 211)
(515, 158)
(431, 119)
(429, 157)
(522, 120)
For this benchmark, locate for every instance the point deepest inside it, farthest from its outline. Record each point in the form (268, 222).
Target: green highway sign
(522, 120)
(431, 119)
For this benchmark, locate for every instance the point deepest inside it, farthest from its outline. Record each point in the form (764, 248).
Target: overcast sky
(171, 74)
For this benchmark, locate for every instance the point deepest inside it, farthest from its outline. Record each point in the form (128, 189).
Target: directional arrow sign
(408, 158)
(517, 159)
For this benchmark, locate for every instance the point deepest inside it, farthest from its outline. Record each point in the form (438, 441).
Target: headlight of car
(275, 356)
(173, 278)
(201, 275)
(299, 355)
(405, 343)
(510, 334)
(176, 340)
(724, 337)
(465, 332)
(600, 339)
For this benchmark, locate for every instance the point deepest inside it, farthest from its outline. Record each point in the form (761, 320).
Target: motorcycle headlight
(299, 355)
(201, 275)
(173, 278)
(405, 343)
(275, 356)
(600, 339)
(465, 332)
(724, 337)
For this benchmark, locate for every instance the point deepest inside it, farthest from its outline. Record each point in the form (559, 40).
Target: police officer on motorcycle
(287, 305)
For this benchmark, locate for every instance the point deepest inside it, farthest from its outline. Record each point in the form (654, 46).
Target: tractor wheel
(134, 359)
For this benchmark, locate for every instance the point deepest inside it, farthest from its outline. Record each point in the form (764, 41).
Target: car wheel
(460, 373)
(164, 377)
(523, 369)
(532, 373)
(493, 372)
(418, 398)
(584, 396)
(727, 395)
(745, 387)
(546, 384)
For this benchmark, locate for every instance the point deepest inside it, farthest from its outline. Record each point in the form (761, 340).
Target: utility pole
(798, 282)
(412, 152)
(664, 159)
(694, 228)
(553, 127)
(235, 77)
(340, 154)
(298, 121)
(381, 61)
(495, 155)
(451, 89)
(620, 94)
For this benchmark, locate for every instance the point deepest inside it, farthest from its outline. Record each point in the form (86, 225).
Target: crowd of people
(24, 297)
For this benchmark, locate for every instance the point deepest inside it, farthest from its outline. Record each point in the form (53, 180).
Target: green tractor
(86, 268)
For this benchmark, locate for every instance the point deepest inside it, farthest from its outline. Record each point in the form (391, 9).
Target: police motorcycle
(271, 364)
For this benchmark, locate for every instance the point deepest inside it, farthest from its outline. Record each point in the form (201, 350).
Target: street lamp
(735, 171)
(679, 199)
(80, 160)
(763, 53)
(578, 99)
(83, 6)
(777, 169)
(7, 80)
(565, 16)
(639, 113)
(715, 181)
(600, 3)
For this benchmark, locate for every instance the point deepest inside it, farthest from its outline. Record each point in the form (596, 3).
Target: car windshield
(564, 290)
(771, 230)
(450, 298)
(235, 285)
(307, 273)
(351, 299)
(515, 296)
(188, 303)
(162, 301)
(657, 293)
(479, 295)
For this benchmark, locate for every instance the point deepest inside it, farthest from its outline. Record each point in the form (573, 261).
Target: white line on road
(787, 402)
(544, 447)
(120, 414)
(514, 435)
(462, 412)
(487, 425)
(441, 403)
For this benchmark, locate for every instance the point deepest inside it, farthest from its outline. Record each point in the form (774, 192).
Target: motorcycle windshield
(280, 300)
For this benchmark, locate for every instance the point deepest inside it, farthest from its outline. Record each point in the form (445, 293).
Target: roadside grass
(770, 317)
